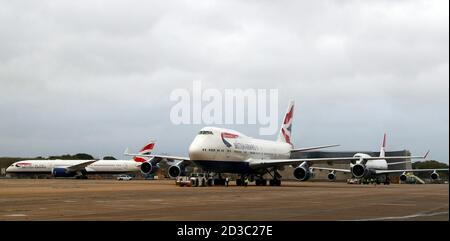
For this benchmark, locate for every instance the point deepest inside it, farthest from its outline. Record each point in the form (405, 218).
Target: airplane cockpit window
(205, 133)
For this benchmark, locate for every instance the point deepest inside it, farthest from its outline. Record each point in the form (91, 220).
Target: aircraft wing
(264, 163)
(167, 157)
(313, 148)
(392, 158)
(80, 166)
(396, 163)
(409, 170)
(331, 169)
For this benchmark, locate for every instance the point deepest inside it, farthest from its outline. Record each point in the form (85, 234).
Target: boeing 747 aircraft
(376, 169)
(220, 150)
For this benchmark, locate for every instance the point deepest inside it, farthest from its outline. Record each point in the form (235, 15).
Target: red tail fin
(139, 159)
(146, 150)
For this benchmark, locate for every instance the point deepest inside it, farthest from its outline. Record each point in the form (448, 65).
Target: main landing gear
(377, 180)
(276, 177)
(275, 181)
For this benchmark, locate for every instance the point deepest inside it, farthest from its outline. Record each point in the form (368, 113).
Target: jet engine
(62, 172)
(434, 175)
(359, 170)
(177, 170)
(403, 177)
(303, 172)
(332, 176)
(149, 167)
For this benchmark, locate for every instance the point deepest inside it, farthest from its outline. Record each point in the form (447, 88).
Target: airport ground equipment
(196, 180)
(183, 181)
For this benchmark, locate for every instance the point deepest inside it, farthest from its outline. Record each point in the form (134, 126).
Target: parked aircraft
(377, 169)
(220, 150)
(80, 168)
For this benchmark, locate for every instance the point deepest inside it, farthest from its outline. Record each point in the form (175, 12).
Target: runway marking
(15, 215)
(402, 217)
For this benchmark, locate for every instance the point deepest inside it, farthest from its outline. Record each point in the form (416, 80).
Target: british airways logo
(23, 164)
(139, 159)
(147, 148)
(225, 136)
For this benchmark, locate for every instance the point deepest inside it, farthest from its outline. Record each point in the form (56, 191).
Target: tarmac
(70, 199)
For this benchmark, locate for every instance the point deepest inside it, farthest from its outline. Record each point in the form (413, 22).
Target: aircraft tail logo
(286, 126)
(146, 150)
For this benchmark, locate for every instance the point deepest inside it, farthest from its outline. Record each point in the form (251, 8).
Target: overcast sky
(95, 76)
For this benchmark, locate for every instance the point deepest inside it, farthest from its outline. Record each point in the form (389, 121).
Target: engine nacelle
(434, 176)
(302, 172)
(61, 172)
(149, 167)
(359, 170)
(403, 177)
(332, 176)
(177, 170)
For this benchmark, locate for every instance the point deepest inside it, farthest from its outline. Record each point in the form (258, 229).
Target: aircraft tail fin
(146, 150)
(383, 146)
(286, 126)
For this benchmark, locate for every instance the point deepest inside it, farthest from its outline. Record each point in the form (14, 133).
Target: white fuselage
(380, 164)
(46, 166)
(223, 150)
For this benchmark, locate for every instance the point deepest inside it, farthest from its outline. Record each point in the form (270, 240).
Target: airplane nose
(195, 150)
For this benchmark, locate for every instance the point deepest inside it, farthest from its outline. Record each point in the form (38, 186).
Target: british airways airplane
(377, 169)
(220, 150)
(80, 168)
